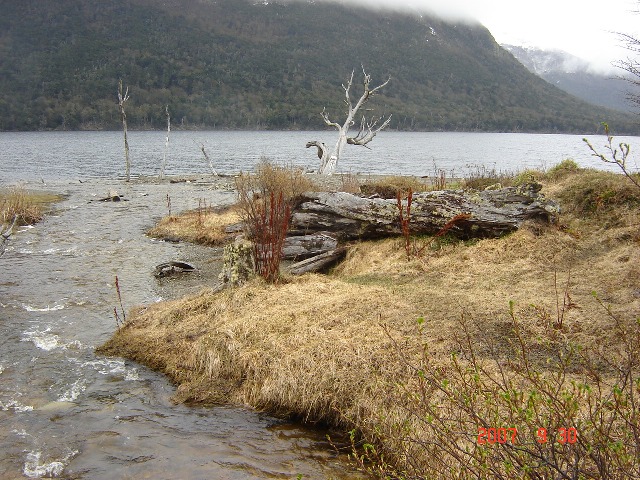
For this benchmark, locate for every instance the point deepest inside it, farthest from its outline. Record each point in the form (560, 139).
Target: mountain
(257, 65)
(575, 76)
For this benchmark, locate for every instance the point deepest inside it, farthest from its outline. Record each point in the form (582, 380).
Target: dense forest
(247, 65)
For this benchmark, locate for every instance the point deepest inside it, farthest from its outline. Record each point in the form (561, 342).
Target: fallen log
(493, 213)
(305, 246)
(319, 262)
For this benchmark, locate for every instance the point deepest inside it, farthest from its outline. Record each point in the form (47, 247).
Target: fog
(583, 29)
(456, 10)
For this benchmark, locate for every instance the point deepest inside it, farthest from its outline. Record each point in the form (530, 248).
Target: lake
(60, 155)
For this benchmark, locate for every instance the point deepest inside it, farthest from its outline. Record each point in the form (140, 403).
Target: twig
(6, 234)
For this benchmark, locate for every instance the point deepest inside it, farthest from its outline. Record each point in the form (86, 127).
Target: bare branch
(367, 82)
(368, 92)
(347, 88)
(5, 234)
(322, 148)
(368, 131)
(327, 121)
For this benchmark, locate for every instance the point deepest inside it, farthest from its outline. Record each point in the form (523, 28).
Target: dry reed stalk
(124, 315)
(18, 204)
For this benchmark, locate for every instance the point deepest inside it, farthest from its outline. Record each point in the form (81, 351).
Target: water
(65, 412)
(63, 155)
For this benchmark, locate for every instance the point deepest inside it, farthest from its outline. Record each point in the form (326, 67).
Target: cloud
(581, 28)
(447, 10)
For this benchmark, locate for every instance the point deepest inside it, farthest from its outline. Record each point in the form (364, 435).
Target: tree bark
(304, 246)
(122, 99)
(493, 213)
(319, 262)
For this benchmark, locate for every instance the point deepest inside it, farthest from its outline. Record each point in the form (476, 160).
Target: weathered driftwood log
(493, 213)
(319, 262)
(305, 246)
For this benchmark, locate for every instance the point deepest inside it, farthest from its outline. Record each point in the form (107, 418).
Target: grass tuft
(27, 206)
(391, 187)
(205, 226)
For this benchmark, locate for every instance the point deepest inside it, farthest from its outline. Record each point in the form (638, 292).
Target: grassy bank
(27, 206)
(205, 226)
(417, 355)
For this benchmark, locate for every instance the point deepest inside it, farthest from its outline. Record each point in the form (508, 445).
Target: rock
(112, 197)
(237, 262)
(172, 268)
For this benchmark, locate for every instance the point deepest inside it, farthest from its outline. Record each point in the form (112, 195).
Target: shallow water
(66, 412)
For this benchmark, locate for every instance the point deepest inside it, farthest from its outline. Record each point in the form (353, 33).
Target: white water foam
(113, 367)
(73, 392)
(15, 405)
(132, 375)
(48, 308)
(47, 341)
(34, 469)
(42, 339)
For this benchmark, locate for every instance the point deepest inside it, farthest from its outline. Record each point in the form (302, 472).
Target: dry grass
(270, 178)
(205, 226)
(316, 346)
(389, 187)
(27, 206)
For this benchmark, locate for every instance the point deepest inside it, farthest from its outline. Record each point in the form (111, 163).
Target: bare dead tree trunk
(122, 99)
(166, 144)
(366, 133)
(206, 157)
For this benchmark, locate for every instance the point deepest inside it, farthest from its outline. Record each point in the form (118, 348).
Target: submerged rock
(172, 268)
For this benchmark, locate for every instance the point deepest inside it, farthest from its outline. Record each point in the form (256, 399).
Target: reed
(21, 205)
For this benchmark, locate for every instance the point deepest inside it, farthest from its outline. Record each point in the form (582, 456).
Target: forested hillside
(236, 64)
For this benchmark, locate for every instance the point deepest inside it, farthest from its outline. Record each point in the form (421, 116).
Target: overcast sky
(585, 28)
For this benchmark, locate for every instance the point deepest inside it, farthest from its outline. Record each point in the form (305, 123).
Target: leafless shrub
(500, 411)
(265, 201)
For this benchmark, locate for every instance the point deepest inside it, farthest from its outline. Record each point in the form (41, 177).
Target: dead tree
(367, 131)
(166, 144)
(208, 159)
(122, 98)
(632, 66)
